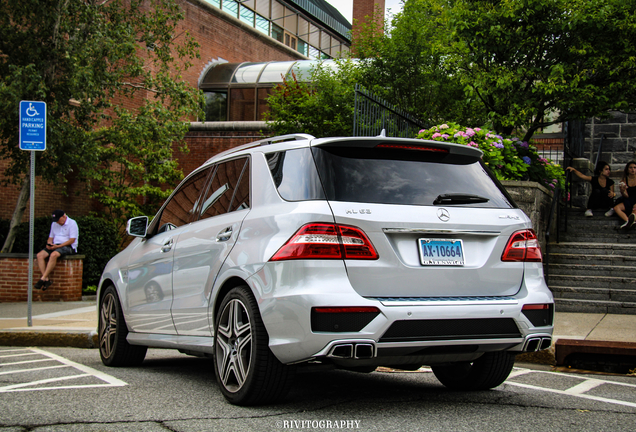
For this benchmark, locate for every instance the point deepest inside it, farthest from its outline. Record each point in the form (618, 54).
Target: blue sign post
(32, 138)
(32, 125)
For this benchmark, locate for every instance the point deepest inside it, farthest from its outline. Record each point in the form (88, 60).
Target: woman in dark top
(602, 195)
(626, 205)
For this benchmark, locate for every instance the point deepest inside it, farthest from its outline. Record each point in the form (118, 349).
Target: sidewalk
(75, 324)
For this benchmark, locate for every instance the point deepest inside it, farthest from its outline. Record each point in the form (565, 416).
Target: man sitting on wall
(62, 241)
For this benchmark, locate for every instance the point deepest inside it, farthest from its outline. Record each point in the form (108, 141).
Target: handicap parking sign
(32, 125)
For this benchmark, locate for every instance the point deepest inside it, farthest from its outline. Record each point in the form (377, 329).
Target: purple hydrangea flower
(527, 160)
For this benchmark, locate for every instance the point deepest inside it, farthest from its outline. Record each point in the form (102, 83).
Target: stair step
(592, 270)
(625, 249)
(590, 259)
(620, 236)
(625, 283)
(595, 306)
(603, 294)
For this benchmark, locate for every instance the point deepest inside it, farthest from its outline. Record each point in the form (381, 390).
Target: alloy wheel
(234, 345)
(108, 325)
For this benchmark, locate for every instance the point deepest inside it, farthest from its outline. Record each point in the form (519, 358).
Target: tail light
(327, 241)
(523, 246)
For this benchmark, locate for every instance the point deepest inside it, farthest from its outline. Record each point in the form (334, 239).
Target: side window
(229, 189)
(183, 203)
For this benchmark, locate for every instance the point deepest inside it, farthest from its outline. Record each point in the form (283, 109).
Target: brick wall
(14, 279)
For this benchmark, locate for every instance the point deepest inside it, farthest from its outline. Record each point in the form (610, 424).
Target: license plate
(441, 252)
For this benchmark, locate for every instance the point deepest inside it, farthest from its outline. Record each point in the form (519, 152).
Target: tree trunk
(20, 206)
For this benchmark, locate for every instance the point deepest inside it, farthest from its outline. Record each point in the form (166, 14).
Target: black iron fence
(373, 114)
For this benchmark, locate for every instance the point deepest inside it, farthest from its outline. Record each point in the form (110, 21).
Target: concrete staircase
(593, 267)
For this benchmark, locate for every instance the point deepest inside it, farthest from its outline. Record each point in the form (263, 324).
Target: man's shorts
(66, 250)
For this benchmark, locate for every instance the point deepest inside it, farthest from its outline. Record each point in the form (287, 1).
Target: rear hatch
(435, 215)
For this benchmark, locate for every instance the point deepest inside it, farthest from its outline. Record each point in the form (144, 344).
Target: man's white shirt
(63, 233)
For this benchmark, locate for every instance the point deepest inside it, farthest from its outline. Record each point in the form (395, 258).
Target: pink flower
(477, 129)
(445, 136)
(436, 135)
(470, 132)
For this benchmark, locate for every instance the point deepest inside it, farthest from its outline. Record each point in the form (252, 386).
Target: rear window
(295, 176)
(408, 177)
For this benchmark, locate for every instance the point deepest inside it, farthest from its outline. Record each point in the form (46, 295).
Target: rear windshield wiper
(456, 198)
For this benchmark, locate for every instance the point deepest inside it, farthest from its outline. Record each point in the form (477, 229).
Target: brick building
(232, 34)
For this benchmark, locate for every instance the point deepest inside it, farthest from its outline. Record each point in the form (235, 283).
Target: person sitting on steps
(602, 195)
(62, 241)
(625, 206)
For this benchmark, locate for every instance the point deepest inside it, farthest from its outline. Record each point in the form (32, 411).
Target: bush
(98, 242)
(508, 157)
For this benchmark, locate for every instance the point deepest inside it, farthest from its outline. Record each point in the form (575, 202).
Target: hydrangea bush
(508, 157)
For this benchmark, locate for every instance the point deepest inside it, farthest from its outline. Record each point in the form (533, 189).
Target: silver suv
(350, 252)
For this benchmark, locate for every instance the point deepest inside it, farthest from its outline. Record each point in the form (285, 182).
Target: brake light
(523, 246)
(327, 241)
(412, 147)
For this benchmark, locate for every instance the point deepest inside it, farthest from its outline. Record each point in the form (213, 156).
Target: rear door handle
(167, 245)
(224, 235)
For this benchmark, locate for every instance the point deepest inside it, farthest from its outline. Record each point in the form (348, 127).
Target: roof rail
(266, 141)
(281, 138)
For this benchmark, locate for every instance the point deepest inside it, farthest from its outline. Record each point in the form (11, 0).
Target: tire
(114, 349)
(488, 371)
(246, 370)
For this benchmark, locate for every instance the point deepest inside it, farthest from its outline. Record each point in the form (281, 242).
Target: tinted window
(179, 210)
(223, 195)
(295, 175)
(389, 176)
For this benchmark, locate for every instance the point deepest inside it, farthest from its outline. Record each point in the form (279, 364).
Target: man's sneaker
(588, 213)
(630, 221)
(610, 212)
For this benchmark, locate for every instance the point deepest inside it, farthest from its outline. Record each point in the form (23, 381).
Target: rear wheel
(114, 349)
(246, 370)
(488, 371)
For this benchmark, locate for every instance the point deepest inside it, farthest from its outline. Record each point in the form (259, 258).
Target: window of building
(231, 7)
(243, 105)
(215, 105)
(277, 33)
(262, 24)
(290, 41)
(247, 16)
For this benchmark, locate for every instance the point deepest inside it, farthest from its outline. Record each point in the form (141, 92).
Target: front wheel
(488, 371)
(114, 349)
(246, 370)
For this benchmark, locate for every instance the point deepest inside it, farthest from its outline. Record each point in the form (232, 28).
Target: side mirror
(137, 226)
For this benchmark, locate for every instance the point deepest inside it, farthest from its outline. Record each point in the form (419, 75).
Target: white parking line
(575, 391)
(109, 381)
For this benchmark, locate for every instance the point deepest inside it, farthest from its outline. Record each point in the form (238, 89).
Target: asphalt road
(68, 389)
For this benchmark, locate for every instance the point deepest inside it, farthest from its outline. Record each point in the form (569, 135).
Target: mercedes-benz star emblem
(443, 215)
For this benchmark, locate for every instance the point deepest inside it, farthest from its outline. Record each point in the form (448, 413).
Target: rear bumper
(407, 330)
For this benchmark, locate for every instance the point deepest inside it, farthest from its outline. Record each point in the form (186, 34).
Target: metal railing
(372, 114)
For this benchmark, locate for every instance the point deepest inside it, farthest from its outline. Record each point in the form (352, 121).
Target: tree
(522, 63)
(406, 66)
(320, 103)
(110, 73)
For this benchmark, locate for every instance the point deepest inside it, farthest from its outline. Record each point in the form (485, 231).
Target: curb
(51, 338)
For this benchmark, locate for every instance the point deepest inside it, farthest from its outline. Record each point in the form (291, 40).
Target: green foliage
(519, 63)
(406, 65)
(508, 157)
(322, 107)
(93, 63)
(98, 241)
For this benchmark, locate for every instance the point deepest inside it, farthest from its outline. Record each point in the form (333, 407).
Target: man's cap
(57, 214)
